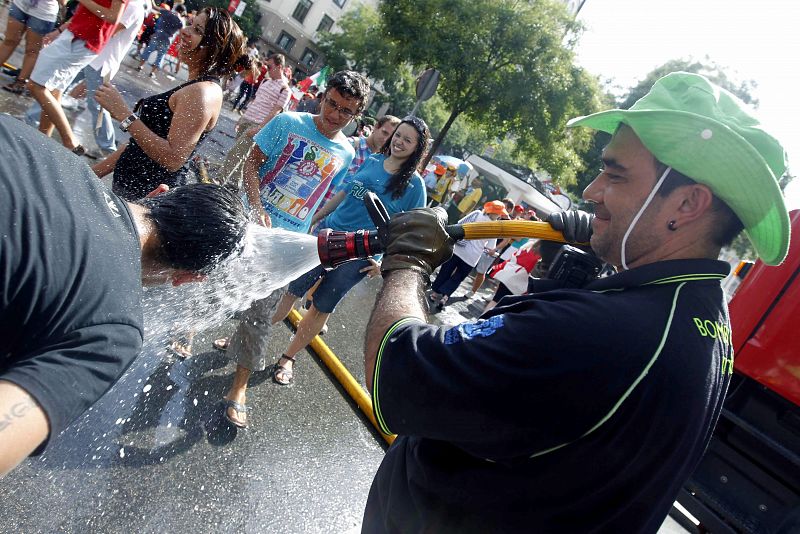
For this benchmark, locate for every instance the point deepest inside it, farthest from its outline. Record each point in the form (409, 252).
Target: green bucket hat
(709, 135)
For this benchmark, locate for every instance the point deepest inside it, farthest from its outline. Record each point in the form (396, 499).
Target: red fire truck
(749, 479)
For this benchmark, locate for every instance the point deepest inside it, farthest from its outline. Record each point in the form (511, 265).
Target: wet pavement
(155, 454)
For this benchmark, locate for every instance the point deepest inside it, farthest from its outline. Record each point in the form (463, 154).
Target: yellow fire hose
(478, 230)
(491, 229)
(344, 377)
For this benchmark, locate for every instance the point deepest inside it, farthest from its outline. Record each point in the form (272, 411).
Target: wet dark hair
(244, 62)
(729, 225)
(198, 226)
(224, 41)
(399, 181)
(350, 84)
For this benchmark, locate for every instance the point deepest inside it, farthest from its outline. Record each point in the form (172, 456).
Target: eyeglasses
(342, 110)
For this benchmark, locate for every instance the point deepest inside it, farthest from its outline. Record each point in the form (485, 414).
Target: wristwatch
(124, 125)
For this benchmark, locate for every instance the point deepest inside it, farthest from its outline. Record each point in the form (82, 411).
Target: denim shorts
(335, 284)
(484, 263)
(36, 25)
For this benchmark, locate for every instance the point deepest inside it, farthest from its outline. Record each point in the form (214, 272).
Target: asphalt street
(155, 454)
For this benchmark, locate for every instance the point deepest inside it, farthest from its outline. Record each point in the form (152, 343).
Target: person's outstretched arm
(402, 296)
(105, 167)
(251, 186)
(417, 243)
(23, 426)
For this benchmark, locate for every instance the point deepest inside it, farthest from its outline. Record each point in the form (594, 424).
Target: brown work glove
(417, 240)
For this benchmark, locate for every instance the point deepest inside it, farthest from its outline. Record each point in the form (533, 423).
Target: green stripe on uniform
(635, 382)
(376, 409)
(687, 278)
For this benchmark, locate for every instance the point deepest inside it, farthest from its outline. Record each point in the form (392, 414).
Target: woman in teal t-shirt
(390, 174)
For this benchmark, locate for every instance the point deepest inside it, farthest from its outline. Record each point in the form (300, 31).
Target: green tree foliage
(506, 65)
(248, 22)
(709, 69)
(358, 44)
(506, 68)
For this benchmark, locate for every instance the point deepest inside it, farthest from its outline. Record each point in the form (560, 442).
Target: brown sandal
(17, 87)
(287, 373)
(181, 348)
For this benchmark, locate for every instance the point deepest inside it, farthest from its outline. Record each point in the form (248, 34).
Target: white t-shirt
(41, 9)
(110, 57)
(470, 250)
(459, 183)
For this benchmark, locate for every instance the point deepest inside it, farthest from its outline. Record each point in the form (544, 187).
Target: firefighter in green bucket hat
(609, 397)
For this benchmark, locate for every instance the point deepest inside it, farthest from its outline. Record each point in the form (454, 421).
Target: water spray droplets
(271, 259)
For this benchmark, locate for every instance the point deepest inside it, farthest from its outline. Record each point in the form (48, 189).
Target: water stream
(145, 417)
(271, 258)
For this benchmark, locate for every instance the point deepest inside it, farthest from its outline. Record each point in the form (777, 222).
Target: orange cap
(495, 206)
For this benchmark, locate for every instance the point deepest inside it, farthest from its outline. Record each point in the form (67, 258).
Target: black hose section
(456, 231)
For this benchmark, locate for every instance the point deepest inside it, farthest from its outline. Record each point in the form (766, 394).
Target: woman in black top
(165, 129)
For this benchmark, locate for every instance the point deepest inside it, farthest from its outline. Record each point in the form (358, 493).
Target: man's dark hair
(198, 226)
(352, 85)
(729, 225)
(180, 9)
(224, 42)
(387, 118)
(279, 59)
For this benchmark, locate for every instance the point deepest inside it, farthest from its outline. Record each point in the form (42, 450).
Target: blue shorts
(36, 25)
(335, 284)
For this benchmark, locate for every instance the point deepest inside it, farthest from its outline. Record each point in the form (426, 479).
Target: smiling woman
(166, 128)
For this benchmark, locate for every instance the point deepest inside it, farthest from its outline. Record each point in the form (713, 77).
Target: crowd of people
(481, 428)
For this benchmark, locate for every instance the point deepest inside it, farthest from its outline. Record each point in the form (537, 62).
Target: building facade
(292, 27)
